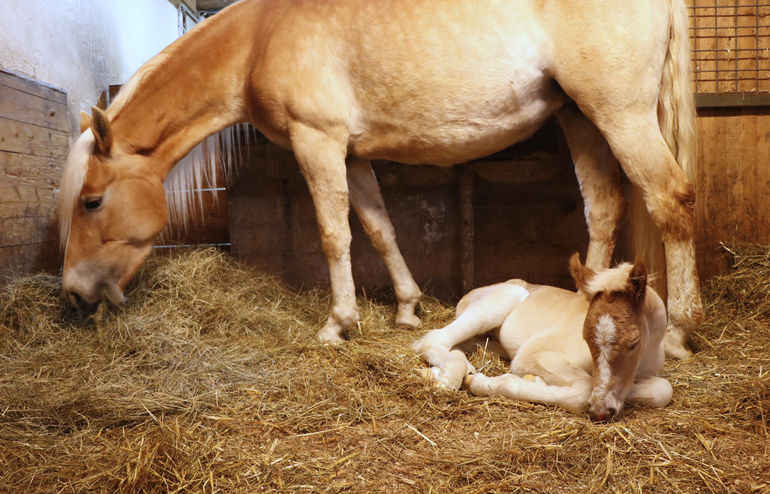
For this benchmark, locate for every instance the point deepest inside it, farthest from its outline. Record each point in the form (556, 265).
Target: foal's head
(615, 330)
(110, 211)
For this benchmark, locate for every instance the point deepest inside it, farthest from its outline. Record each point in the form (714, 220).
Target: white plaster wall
(83, 46)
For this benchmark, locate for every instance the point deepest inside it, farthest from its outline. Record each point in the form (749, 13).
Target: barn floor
(210, 380)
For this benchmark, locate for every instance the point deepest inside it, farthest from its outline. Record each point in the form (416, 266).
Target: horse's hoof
(675, 344)
(330, 337)
(408, 322)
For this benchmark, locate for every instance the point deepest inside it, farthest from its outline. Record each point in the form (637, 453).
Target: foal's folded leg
(488, 312)
(651, 391)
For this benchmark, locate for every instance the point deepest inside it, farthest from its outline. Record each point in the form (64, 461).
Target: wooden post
(466, 247)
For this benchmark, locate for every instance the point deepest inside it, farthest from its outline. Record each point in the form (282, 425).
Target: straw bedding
(210, 380)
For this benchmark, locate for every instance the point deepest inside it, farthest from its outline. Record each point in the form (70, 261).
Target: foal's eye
(634, 345)
(93, 203)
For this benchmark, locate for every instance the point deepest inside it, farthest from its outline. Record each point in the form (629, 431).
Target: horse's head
(111, 208)
(615, 330)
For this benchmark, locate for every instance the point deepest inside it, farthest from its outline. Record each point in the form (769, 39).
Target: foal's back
(549, 319)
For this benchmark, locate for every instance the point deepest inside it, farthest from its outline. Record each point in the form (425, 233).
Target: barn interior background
(516, 213)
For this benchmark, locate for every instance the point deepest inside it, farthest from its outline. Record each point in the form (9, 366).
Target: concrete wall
(82, 46)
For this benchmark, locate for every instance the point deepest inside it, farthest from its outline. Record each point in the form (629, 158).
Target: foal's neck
(192, 89)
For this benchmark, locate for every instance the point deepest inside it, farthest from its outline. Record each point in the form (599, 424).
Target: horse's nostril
(612, 412)
(82, 305)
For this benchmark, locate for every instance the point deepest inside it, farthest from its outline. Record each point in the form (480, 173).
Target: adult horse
(587, 350)
(341, 82)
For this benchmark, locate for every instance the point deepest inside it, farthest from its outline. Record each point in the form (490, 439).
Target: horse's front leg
(367, 201)
(599, 178)
(321, 157)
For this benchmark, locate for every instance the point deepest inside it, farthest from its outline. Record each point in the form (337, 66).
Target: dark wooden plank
(27, 230)
(20, 260)
(23, 107)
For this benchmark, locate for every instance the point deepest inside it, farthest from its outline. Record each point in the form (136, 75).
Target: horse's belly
(456, 130)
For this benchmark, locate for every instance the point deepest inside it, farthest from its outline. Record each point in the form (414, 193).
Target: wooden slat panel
(23, 259)
(32, 88)
(24, 169)
(732, 182)
(34, 131)
(23, 138)
(17, 105)
(23, 201)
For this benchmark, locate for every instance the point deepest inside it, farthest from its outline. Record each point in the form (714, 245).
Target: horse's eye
(93, 203)
(634, 345)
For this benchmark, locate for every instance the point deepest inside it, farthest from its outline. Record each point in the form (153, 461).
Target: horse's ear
(85, 121)
(579, 272)
(100, 125)
(637, 281)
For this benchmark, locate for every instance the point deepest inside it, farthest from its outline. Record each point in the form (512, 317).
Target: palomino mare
(586, 350)
(341, 82)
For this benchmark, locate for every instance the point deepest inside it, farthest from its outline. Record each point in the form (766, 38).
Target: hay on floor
(210, 379)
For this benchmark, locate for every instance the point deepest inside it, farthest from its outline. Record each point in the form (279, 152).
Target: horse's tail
(676, 117)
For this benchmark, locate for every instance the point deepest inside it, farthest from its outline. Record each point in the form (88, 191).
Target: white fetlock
(407, 320)
(331, 333)
(675, 343)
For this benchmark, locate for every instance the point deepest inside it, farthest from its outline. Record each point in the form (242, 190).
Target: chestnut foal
(587, 350)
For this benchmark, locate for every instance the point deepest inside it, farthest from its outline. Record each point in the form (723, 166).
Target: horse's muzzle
(83, 306)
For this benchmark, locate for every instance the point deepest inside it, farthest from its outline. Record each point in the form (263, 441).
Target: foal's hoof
(467, 381)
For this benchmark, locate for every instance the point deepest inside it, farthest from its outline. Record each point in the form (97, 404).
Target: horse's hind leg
(449, 365)
(599, 178)
(638, 144)
(321, 158)
(367, 201)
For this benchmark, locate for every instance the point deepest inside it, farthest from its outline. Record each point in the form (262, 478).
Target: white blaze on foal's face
(613, 331)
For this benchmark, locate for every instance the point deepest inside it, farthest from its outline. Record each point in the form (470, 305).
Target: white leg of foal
(598, 174)
(366, 199)
(485, 314)
(652, 391)
(322, 161)
(573, 397)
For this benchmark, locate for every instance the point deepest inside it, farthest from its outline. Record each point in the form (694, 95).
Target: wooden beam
(214, 4)
(467, 240)
(726, 100)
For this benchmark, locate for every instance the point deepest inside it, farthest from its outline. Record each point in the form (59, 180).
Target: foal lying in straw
(592, 349)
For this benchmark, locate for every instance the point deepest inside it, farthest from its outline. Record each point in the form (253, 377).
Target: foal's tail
(676, 117)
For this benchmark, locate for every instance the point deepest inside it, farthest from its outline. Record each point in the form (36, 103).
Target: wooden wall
(34, 133)
(732, 182)
(527, 219)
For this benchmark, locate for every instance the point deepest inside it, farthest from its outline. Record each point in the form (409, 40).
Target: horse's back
(414, 81)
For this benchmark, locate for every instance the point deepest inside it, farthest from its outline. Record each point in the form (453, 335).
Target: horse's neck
(189, 91)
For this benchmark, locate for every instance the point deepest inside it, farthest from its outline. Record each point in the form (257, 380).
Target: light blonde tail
(676, 116)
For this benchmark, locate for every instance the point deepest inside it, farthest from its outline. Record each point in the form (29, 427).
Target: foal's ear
(100, 125)
(637, 281)
(85, 121)
(579, 272)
